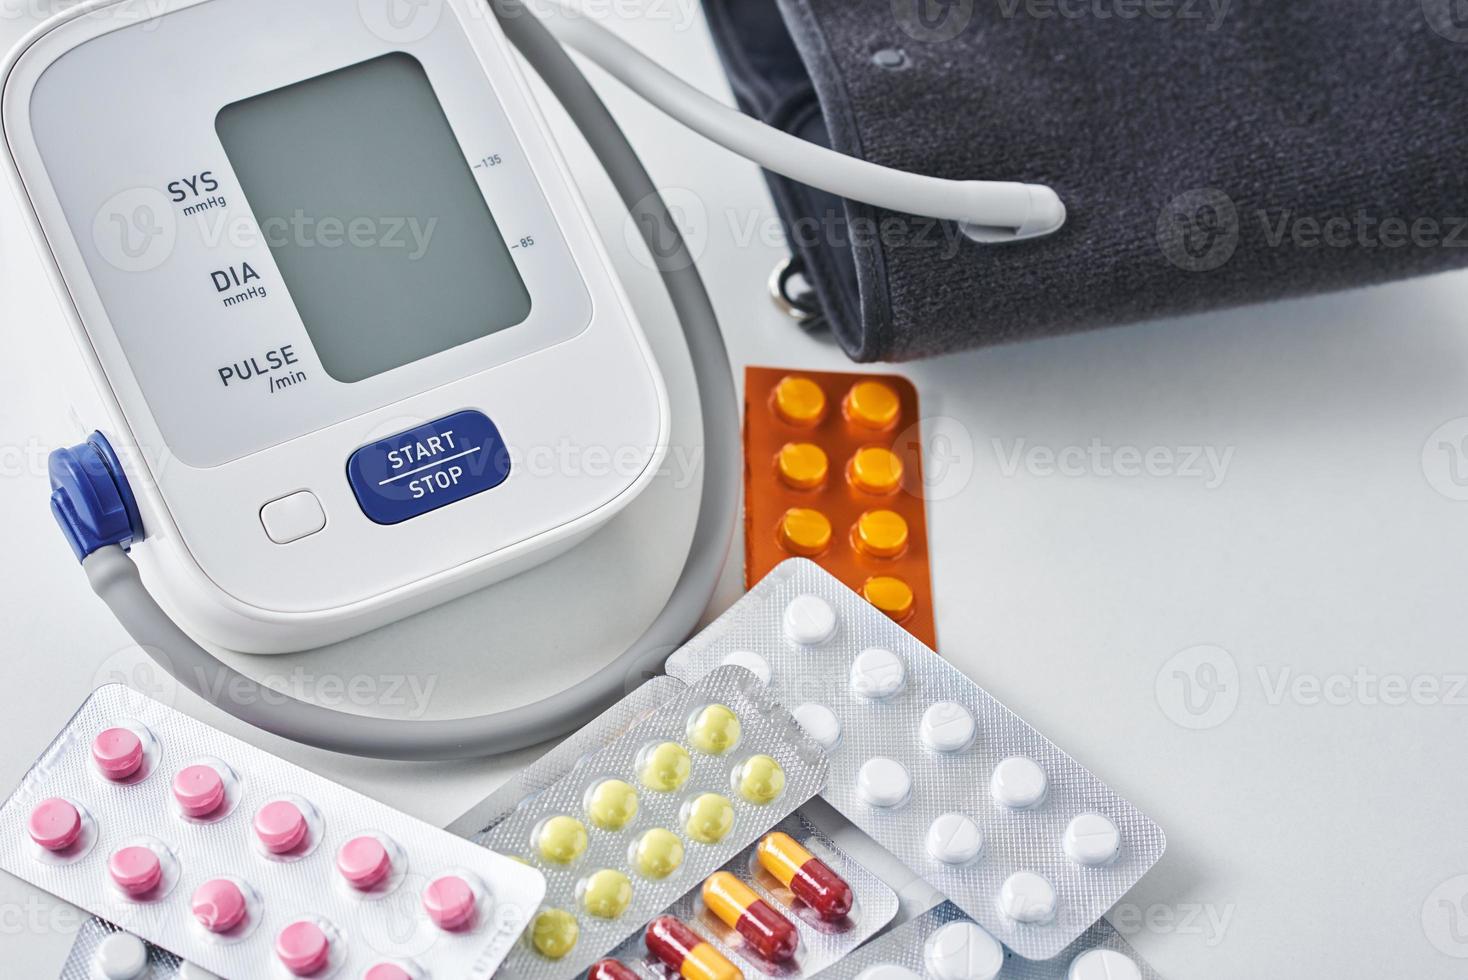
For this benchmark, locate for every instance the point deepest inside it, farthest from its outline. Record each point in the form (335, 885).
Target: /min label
(426, 468)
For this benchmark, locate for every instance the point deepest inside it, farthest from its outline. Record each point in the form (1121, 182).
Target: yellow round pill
(606, 894)
(554, 933)
(804, 531)
(709, 818)
(761, 779)
(880, 533)
(802, 465)
(714, 730)
(611, 804)
(799, 401)
(658, 853)
(561, 840)
(889, 594)
(871, 405)
(875, 470)
(666, 767)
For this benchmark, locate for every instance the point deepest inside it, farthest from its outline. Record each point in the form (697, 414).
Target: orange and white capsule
(680, 950)
(767, 932)
(812, 881)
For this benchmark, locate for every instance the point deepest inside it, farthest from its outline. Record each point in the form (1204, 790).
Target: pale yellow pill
(709, 818)
(611, 804)
(804, 531)
(799, 401)
(761, 779)
(890, 594)
(666, 767)
(607, 894)
(874, 469)
(802, 465)
(561, 840)
(871, 405)
(554, 933)
(658, 853)
(714, 730)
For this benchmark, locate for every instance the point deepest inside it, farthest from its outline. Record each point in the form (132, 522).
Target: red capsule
(611, 970)
(806, 875)
(768, 933)
(683, 952)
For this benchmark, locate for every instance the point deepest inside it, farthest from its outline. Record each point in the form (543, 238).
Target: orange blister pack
(833, 472)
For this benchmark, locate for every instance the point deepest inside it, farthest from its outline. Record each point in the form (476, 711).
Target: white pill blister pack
(246, 865)
(944, 944)
(635, 824)
(1018, 834)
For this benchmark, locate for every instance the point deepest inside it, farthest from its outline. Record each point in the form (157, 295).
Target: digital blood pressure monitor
(339, 307)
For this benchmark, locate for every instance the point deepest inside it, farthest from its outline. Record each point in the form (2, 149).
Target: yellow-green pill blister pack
(674, 790)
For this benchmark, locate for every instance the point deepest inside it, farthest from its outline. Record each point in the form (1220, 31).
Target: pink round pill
(363, 861)
(218, 905)
(386, 971)
(135, 869)
(199, 790)
(55, 824)
(281, 826)
(118, 752)
(303, 947)
(449, 902)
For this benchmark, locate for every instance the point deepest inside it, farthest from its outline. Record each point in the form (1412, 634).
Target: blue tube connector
(91, 499)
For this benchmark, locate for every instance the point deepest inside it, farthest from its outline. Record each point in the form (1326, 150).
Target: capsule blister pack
(1018, 834)
(632, 826)
(944, 944)
(246, 865)
(829, 902)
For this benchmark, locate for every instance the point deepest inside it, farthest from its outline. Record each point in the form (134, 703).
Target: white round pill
(887, 971)
(947, 727)
(809, 620)
(1103, 964)
(192, 971)
(820, 723)
(1019, 783)
(954, 839)
(877, 673)
(1026, 897)
(963, 951)
(1092, 839)
(121, 956)
(751, 662)
(883, 782)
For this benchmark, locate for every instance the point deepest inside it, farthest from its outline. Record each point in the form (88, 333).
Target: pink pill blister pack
(247, 865)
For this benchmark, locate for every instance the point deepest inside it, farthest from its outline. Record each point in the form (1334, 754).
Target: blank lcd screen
(373, 216)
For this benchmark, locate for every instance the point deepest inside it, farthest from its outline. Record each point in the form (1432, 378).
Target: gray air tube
(115, 578)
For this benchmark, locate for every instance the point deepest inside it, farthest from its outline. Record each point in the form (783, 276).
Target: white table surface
(1310, 835)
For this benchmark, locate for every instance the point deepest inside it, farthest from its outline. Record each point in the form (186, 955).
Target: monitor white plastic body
(192, 354)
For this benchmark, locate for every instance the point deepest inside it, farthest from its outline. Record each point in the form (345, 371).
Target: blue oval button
(429, 467)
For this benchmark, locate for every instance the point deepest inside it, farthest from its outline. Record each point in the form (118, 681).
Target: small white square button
(292, 518)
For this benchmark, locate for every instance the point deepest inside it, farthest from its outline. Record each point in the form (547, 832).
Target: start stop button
(431, 466)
